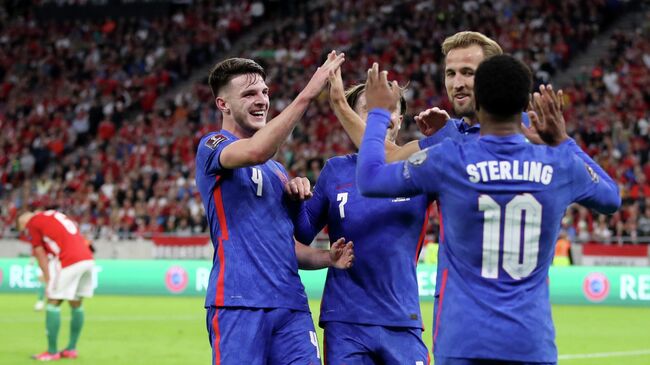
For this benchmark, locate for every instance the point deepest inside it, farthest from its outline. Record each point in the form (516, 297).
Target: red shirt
(58, 235)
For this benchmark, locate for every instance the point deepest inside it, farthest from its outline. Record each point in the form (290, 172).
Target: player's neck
(470, 120)
(497, 126)
(233, 127)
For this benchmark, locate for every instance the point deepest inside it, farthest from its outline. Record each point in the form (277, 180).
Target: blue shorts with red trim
(262, 336)
(358, 344)
(440, 360)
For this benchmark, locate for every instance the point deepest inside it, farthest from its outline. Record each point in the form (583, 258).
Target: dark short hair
(502, 85)
(352, 96)
(226, 70)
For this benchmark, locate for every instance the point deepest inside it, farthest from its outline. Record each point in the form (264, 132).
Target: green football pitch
(171, 330)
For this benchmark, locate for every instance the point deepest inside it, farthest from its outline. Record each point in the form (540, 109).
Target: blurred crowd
(609, 110)
(81, 131)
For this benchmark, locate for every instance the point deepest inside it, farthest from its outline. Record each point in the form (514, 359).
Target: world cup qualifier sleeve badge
(215, 141)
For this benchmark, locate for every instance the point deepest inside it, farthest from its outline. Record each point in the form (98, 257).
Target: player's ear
(222, 104)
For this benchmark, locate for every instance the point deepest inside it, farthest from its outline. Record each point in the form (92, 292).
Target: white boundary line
(108, 318)
(604, 354)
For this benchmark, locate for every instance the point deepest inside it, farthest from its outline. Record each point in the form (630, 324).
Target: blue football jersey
(254, 264)
(502, 200)
(459, 131)
(381, 287)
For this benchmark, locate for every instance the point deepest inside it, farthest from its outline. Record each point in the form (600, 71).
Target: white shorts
(72, 282)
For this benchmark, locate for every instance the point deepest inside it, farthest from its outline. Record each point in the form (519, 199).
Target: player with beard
(463, 51)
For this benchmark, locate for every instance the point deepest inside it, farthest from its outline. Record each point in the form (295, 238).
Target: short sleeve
(208, 152)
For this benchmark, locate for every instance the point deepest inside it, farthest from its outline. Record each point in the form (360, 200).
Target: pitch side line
(107, 318)
(604, 354)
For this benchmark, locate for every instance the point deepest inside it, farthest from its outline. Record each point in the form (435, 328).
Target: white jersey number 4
(523, 218)
(258, 180)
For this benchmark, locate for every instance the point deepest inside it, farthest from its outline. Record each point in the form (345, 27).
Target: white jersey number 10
(523, 217)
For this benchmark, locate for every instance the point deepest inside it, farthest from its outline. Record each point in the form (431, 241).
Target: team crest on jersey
(596, 287)
(176, 279)
(215, 140)
(592, 173)
(418, 158)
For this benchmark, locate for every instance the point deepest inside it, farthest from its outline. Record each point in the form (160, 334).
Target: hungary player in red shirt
(69, 276)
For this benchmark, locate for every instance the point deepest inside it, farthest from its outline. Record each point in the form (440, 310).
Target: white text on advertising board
(635, 287)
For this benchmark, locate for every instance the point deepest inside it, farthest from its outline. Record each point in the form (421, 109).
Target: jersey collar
(465, 128)
(512, 138)
(227, 134)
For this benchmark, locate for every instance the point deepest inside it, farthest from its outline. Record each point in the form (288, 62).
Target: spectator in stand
(612, 127)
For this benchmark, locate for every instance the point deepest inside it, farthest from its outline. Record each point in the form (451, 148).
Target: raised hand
(342, 254)
(531, 132)
(431, 120)
(379, 92)
(299, 188)
(337, 90)
(320, 77)
(547, 119)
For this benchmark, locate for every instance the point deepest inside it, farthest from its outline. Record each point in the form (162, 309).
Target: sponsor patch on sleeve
(418, 158)
(406, 172)
(215, 141)
(594, 176)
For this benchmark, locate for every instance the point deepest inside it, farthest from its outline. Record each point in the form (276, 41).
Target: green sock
(76, 323)
(52, 324)
(41, 292)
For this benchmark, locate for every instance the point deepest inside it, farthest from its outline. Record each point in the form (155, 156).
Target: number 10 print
(523, 212)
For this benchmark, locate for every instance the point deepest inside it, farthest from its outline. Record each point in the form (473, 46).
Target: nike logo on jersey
(532, 171)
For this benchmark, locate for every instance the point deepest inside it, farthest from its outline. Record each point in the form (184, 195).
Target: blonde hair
(467, 38)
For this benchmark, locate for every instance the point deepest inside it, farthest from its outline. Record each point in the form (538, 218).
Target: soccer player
(502, 200)
(463, 51)
(371, 312)
(53, 233)
(257, 310)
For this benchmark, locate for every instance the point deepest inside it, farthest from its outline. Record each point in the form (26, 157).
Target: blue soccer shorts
(440, 360)
(358, 344)
(262, 336)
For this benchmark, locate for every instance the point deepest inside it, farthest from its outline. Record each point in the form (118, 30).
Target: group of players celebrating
(502, 187)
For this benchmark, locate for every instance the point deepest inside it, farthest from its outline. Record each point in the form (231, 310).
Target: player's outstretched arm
(374, 177)
(594, 190)
(354, 126)
(593, 187)
(265, 142)
(340, 256)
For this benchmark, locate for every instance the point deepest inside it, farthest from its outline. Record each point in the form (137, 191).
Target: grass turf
(171, 330)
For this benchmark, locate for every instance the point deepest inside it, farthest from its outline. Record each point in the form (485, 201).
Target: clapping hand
(546, 119)
(342, 254)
